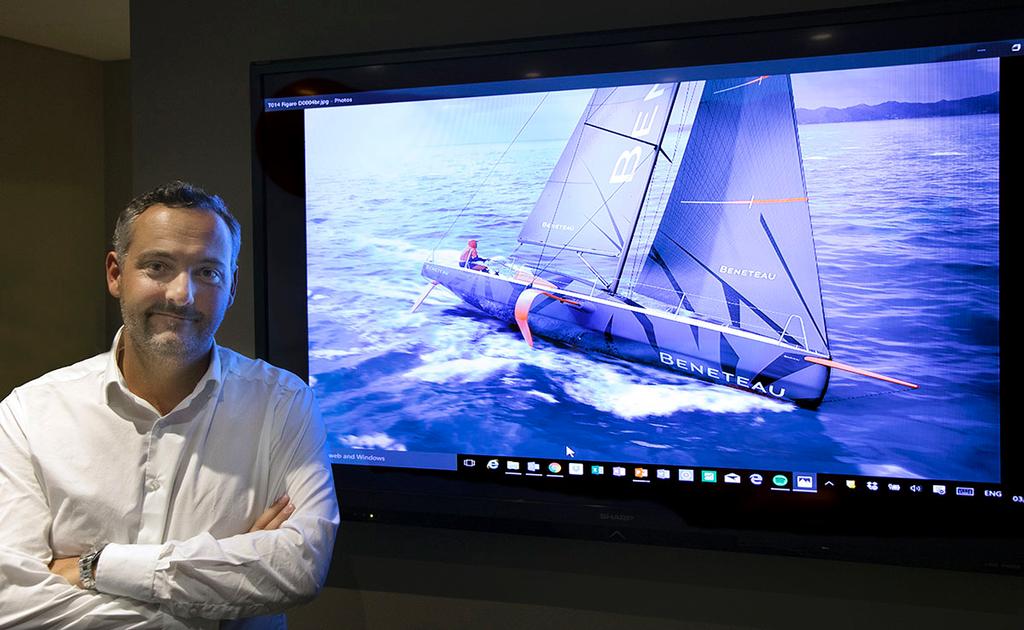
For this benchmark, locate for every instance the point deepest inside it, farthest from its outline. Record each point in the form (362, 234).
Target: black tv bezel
(988, 537)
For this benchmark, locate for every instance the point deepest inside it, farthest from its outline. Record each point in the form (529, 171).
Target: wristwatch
(87, 566)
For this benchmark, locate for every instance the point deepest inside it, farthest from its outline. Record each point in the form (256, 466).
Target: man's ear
(113, 275)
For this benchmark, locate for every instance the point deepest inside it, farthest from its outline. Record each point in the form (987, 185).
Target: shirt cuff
(127, 570)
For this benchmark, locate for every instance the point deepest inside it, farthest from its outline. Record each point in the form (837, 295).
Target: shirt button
(153, 485)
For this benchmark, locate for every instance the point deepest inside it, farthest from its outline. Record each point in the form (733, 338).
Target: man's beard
(182, 347)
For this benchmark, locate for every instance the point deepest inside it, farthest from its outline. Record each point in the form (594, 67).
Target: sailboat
(728, 291)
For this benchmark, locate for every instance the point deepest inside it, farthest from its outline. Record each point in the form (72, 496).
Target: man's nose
(180, 290)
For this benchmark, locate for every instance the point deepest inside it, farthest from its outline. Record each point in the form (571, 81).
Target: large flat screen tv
(733, 284)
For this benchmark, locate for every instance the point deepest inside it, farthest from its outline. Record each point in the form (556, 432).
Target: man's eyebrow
(155, 253)
(163, 254)
(213, 261)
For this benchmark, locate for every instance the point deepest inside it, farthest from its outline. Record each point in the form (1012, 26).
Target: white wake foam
(887, 470)
(378, 441)
(543, 396)
(462, 370)
(621, 395)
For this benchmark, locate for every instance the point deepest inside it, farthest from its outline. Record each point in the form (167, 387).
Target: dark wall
(65, 172)
(190, 120)
(400, 578)
(52, 293)
(117, 169)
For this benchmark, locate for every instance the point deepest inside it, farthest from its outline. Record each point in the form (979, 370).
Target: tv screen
(734, 285)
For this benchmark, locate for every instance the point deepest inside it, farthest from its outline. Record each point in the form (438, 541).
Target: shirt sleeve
(253, 573)
(30, 595)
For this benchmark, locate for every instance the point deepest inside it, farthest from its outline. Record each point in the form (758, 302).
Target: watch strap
(87, 566)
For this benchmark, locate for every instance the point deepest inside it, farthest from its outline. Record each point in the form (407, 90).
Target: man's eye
(155, 267)
(210, 275)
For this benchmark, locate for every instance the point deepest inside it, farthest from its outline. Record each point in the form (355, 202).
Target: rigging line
(647, 218)
(810, 219)
(620, 265)
(746, 202)
(658, 260)
(764, 316)
(639, 262)
(489, 173)
(607, 98)
(785, 265)
(604, 204)
(592, 108)
(589, 221)
(736, 87)
(624, 135)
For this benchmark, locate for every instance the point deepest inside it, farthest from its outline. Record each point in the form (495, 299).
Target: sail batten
(735, 238)
(624, 135)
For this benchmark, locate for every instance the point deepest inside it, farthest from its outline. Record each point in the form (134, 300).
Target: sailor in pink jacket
(471, 259)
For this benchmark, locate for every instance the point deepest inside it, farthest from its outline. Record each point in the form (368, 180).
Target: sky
(921, 83)
(365, 134)
(368, 133)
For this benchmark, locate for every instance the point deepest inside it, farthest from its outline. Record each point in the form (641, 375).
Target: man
(470, 258)
(169, 482)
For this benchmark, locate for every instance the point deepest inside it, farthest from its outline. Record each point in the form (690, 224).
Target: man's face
(175, 282)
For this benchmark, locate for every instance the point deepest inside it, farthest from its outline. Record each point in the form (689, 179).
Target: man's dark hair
(176, 194)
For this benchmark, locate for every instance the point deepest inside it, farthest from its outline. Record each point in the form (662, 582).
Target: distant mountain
(891, 110)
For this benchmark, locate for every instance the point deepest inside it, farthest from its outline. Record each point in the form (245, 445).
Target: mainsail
(735, 243)
(592, 198)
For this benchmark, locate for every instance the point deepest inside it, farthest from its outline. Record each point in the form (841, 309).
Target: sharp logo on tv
(608, 516)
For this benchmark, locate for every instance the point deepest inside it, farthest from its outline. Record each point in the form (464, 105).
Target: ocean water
(905, 217)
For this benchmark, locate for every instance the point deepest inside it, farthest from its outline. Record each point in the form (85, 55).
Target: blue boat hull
(610, 325)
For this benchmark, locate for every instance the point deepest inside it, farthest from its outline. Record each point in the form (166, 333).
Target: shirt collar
(115, 388)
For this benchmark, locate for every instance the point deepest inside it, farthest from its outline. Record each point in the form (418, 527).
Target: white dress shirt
(85, 461)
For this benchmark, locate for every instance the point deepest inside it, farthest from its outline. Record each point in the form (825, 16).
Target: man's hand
(67, 568)
(272, 518)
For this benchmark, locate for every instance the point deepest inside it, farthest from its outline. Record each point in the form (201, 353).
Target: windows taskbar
(709, 478)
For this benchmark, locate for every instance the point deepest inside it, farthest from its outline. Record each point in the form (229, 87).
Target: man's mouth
(185, 318)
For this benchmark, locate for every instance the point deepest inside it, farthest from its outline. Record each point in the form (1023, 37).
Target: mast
(632, 231)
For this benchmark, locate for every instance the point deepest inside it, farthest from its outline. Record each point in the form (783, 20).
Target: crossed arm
(271, 519)
(36, 600)
(279, 562)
